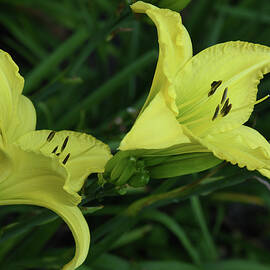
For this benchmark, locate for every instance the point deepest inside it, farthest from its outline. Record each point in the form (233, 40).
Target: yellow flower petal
(17, 114)
(11, 81)
(38, 180)
(175, 49)
(239, 66)
(81, 154)
(5, 166)
(23, 121)
(243, 146)
(156, 128)
(265, 172)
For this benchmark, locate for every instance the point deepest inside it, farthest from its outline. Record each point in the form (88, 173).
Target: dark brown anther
(228, 108)
(66, 159)
(50, 136)
(54, 150)
(64, 144)
(225, 106)
(216, 113)
(224, 96)
(216, 84)
(214, 87)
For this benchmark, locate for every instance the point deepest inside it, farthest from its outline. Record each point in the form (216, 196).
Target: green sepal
(114, 167)
(118, 169)
(183, 164)
(174, 150)
(136, 167)
(153, 161)
(113, 162)
(128, 171)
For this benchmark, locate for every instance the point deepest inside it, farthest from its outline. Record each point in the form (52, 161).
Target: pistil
(255, 103)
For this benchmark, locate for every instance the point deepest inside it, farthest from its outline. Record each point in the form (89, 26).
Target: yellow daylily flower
(44, 168)
(202, 101)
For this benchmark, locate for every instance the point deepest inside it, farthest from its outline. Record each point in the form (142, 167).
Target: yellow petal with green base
(175, 49)
(156, 126)
(238, 67)
(39, 180)
(200, 106)
(210, 96)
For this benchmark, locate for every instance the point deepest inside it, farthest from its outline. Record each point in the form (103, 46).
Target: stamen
(216, 113)
(216, 83)
(191, 101)
(225, 106)
(224, 96)
(198, 120)
(214, 87)
(262, 99)
(201, 99)
(66, 159)
(248, 105)
(51, 135)
(227, 110)
(54, 150)
(64, 144)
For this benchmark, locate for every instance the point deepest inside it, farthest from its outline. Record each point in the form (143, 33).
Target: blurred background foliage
(88, 66)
